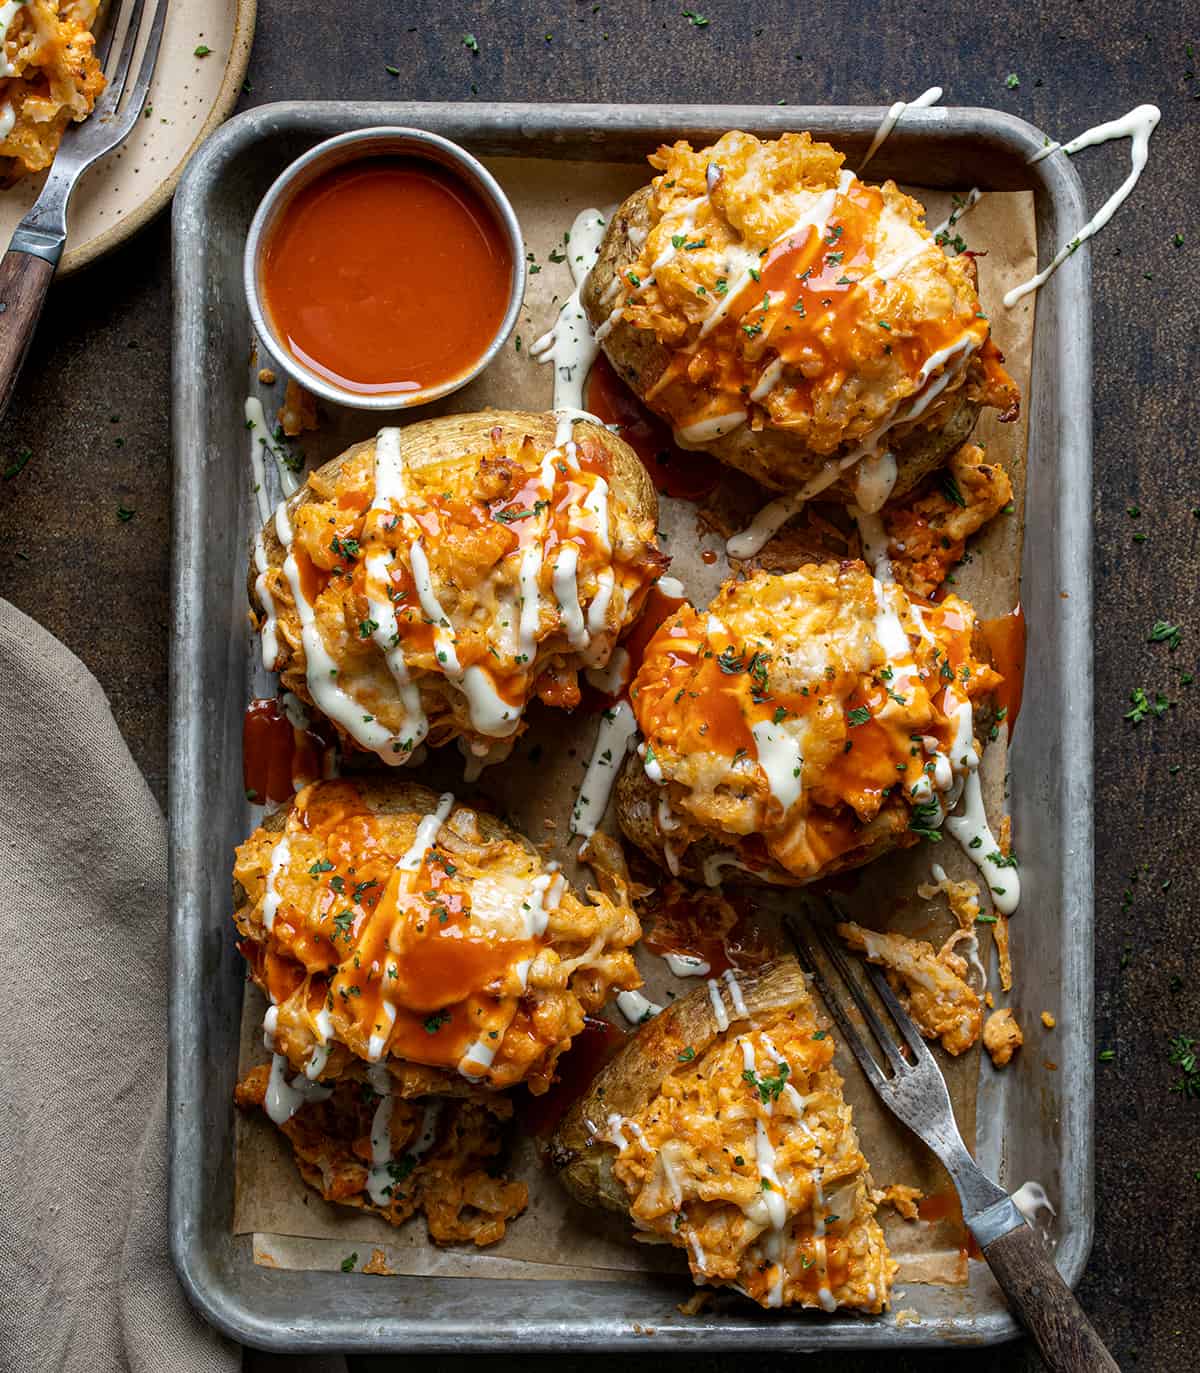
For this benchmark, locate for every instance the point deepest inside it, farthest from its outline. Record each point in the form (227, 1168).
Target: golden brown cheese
(449, 585)
(932, 984)
(748, 1160)
(423, 933)
(49, 76)
(804, 715)
(795, 297)
(440, 1154)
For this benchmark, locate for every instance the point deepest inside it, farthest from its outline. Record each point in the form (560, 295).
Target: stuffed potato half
(793, 321)
(720, 1128)
(429, 582)
(388, 925)
(806, 722)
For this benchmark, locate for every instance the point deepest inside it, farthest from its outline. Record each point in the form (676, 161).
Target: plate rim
(74, 259)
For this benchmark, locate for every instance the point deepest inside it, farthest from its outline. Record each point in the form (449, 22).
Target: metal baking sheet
(1043, 1122)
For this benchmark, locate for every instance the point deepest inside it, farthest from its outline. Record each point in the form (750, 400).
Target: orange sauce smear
(388, 275)
(277, 758)
(945, 1206)
(1005, 638)
(591, 1049)
(725, 932)
(674, 471)
(656, 610)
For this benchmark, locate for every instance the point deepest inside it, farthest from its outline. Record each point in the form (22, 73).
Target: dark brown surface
(93, 409)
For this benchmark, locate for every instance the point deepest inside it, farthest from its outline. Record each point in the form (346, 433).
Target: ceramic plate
(188, 98)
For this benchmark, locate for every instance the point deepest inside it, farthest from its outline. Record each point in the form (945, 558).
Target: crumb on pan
(266, 376)
(298, 411)
(1002, 1036)
(1048, 1020)
(900, 1197)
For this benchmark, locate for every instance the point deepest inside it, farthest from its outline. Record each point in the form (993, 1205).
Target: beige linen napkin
(86, 1281)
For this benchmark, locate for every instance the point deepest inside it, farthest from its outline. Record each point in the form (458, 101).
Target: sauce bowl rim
(355, 145)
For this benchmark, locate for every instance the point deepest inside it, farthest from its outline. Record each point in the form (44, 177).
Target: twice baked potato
(721, 1128)
(793, 321)
(805, 723)
(388, 925)
(429, 582)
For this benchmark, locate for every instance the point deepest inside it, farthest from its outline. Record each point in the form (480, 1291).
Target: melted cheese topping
(793, 296)
(434, 597)
(49, 76)
(749, 1161)
(805, 717)
(409, 936)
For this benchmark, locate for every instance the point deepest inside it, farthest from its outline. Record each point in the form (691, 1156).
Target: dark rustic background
(93, 410)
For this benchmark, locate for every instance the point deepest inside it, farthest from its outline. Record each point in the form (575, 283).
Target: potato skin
(632, 1079)
(635, 800)
(444, 439)
(770, 456)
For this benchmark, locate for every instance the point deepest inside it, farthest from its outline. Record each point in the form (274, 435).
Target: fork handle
(24, 280)
(1045, 1305)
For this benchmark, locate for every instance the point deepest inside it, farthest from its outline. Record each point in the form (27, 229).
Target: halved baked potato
(389, 926)
(428, 583)
(721, 1128)
(793, 321)
(805, 723)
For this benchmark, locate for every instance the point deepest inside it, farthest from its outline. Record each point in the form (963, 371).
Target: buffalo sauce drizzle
(393, 951)
(278, 756)
(591, 1049)
(1005, 638)
(674, 471)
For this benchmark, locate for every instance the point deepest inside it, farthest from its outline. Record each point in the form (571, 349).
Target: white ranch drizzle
(686, 965)
(280, 856)
(570, 344)
(889, 121)
(262, 438)
(779, 757)
(1137, 126)
(390, 490)
(268, 633)
(379, 1177)
(714, 862)
(636, 1008)
(614, 738)
(615, 676)
(8, 117)
(1030, 1198)
(323, 1024)
(973, 833)
(874, 543)
(284, 1098)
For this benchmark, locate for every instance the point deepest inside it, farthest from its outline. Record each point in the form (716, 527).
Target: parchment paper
(291, 1225)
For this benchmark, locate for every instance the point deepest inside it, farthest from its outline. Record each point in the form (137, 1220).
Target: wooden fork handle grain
(1045, 1305)
(24, 280)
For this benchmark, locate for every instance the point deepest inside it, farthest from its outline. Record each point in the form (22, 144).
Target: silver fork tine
(834, 1005)
(904, 1022)
(885, 1040)
(137, 97)
(111, 98)
(111, 24)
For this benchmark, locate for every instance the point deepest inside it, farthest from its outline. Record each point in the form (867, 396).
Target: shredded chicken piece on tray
(298, 411)
(932, 984)
(1002, 1036)
(927, 533)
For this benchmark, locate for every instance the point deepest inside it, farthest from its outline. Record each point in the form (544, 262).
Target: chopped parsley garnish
(434, 1022)
(349, 1261)
(519, 512)
(697, 21)
(341, 924)
(1012, 81)
(950, 489)
(1182, 1054)
(688, 1054)
(1166, 633)
(859, 715)
(366, 628)
(471, 42)
(769, 1088)
(926, 815)
(322, 865)
(1143, 706)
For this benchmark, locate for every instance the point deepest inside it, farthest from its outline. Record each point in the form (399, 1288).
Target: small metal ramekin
(357, 146)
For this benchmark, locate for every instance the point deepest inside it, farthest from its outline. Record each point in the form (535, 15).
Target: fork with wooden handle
(913, 1089)
(37, 244)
